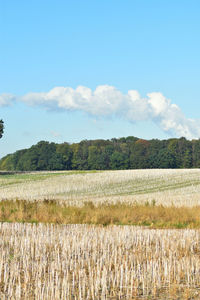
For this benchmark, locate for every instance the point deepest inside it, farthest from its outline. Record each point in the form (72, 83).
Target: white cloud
(6, 99)
(106, 100)
(158, 103)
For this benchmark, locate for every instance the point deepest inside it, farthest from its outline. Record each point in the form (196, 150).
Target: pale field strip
(90, 262)
(178, 187)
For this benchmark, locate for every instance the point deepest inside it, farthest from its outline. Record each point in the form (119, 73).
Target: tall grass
(49, 211)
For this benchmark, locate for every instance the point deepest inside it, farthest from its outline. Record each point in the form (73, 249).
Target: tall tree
(1, 128)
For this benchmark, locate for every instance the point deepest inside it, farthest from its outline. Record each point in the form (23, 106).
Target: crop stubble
(93, 262)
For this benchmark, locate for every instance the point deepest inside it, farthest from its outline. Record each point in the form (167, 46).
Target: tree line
(114, 154)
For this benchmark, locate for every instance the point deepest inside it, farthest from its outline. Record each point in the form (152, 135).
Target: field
(166, 187)
(62, 241)
(86, 262)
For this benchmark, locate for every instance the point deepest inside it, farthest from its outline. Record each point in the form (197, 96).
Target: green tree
(1, 128)
(96, 159)
(65, 151)
(93, 153)
(196, 153)
(187, 159)
(164, 159)
(122, 153)
(139, 154)
(173, 147)
(119, 161)
(80, 155)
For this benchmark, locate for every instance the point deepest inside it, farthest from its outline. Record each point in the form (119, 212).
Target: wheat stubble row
(93, 262)
(178, 187)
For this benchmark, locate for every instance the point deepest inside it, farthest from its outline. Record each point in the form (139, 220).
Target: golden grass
(149, 214)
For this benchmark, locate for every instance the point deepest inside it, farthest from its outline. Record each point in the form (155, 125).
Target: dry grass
(49, 211)
(59, 262)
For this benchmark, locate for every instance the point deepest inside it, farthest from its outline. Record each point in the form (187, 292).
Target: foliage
(1, 128)
(114, 154)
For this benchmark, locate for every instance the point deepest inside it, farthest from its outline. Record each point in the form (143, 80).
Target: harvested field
(92, 262)
(165, 187)
(62, 259)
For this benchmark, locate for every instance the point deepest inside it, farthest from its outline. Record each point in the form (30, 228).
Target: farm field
(164, 187)
(93, 262)
(65, 238)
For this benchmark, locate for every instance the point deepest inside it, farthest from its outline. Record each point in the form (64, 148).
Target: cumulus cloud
(107, 101)
(6, 99)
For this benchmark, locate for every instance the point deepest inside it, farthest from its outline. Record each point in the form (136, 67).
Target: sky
(74, 70)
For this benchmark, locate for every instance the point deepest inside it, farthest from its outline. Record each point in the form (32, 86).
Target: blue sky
(111, 46)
